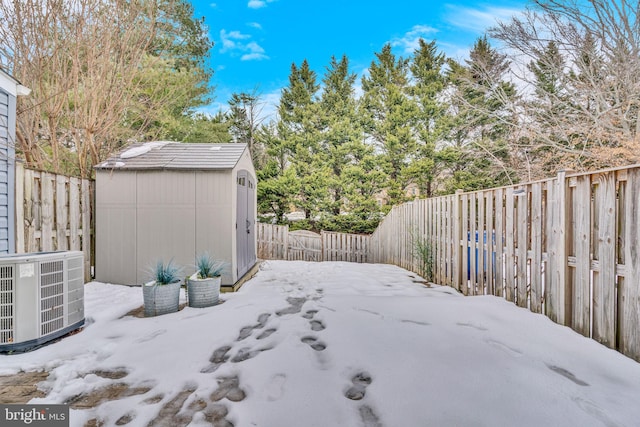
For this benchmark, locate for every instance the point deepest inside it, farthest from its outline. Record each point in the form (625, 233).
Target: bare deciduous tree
(82, 59)
(581, 106)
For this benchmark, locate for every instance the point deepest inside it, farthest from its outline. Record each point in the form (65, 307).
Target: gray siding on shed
(7, 171)
(145, 213)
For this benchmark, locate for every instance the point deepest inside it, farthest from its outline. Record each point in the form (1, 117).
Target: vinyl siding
(7, 172)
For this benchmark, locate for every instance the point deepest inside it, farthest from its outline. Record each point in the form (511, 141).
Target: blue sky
(256, 41)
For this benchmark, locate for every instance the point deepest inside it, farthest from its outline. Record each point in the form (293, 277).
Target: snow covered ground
(336, 344)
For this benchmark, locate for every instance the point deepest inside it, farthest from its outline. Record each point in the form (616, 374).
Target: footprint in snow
(415, 322)
(567, 374)
(360, 382)
(314, 343)
(266, 333)
(246, 354)
(472, 325)
(228, 387)
(316, 325)
(275, 388)
(248, 330)
(245, 333)
(152, 335)
(309, 314)
(504, 347)
(295, 306)
(262, 320)
(369, 418)
(218, 357)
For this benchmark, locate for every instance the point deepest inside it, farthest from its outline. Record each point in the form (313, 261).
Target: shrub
(164, 274)
(209, 267)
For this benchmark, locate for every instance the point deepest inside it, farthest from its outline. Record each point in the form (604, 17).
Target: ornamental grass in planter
(203, 287)
(162, 294)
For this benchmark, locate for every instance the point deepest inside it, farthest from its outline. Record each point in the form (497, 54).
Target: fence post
(19, 194)
(457, 254)
(557, 296)
(629, 311)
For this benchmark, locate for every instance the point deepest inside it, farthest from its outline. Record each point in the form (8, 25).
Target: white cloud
(258, 4)
(409, 41)
(254, 25)
(479, 19)
(253, 57)
(256, 52)
(237, 43)
(234, 35)
(232, 40)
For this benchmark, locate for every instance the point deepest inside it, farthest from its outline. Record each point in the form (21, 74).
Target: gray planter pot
(203, 292)
(160, 299)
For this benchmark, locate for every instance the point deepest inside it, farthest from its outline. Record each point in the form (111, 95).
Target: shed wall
(144, 216)
(215, 217)
(165, 220)
(116, 231)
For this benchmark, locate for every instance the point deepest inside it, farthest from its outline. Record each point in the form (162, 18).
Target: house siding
(7, 172)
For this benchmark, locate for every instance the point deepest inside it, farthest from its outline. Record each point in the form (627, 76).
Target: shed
(10, 89)
(173, 201)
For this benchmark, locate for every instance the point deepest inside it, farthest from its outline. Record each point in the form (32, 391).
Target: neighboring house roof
(176, 155)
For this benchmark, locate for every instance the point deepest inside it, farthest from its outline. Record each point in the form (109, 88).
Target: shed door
(245, 223)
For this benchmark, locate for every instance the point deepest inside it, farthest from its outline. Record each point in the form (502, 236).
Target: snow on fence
(277, 242)
(53, 213)
(568, 247)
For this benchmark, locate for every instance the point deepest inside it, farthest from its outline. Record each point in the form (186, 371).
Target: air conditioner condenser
(41, 298)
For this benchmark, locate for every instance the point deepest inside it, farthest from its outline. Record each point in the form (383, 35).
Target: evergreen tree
(478, 153)
(278, 184)
(548, 108)
(389, 115)
(299, 128)
(429, 80)
(351, 183)
(245, 118)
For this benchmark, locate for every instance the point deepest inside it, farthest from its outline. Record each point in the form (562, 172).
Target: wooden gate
(277, 242)
(304, 245)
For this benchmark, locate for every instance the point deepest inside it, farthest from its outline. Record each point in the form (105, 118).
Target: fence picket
(604, 280)
(580, 291)
(522, 247)
(53, 212)
(509, 237)
(499, 287)
(536, 248)
(630, 291)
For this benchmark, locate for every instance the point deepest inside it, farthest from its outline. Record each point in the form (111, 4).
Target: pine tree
(299, 127)
(478, 152)
(278, 184)
(389, 115)
(352, 181)
(245, 118)
(429, 80)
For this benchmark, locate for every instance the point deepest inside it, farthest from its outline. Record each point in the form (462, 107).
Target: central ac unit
(41, 298)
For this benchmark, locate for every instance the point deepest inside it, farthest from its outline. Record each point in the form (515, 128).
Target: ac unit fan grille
(6, 304)
(51, 296)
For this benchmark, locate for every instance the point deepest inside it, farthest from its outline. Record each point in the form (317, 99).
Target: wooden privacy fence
(568, 247)
(277, 242)
(53, 212)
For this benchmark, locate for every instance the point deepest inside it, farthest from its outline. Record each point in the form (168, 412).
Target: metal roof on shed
(176, 155)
